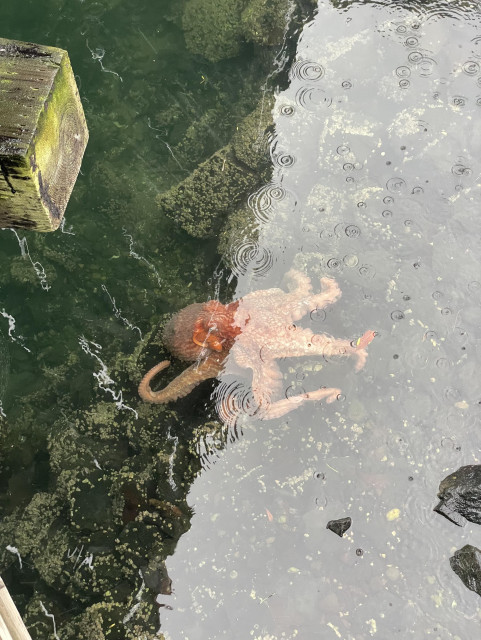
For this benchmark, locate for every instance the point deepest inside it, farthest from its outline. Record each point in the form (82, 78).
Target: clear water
(375, 182)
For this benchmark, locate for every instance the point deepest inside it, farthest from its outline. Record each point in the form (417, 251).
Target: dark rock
(339, 526)
(466, 564)
(460, 496)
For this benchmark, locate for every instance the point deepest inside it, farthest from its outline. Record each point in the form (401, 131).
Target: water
(374, 180)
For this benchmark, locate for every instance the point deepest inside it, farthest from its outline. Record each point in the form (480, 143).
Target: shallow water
(375, 182)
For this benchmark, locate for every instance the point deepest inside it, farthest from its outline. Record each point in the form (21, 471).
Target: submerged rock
(460, 496)
(339, 526)
(213, 28)
(201, 203)
(217, 29)
(466, 564)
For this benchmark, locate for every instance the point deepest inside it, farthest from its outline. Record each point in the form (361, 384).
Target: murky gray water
(376, 183)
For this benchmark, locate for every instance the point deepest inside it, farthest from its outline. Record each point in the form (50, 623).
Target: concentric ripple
(269, 198)
(233, 399)
(334, 264)
(352, 231)
(248, 255)
(306, 70)
(471, 68)
(287, 110)
(460, 169)
(396, 185)
(282, 159)
(459, 101)
(312, 97)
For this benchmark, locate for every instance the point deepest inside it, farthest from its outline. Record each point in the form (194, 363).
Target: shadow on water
(367, 173)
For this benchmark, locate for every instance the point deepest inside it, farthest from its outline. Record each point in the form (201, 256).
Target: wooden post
(43, 135)
(11, 624)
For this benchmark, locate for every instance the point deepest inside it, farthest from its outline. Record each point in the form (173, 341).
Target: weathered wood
(43, 135)
(11, 624)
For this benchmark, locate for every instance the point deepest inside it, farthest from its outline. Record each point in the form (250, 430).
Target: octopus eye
(215, 344)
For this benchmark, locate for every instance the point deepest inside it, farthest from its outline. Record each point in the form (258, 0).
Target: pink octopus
(254, 332)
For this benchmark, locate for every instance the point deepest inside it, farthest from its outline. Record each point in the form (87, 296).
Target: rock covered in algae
(201, 202)
(238, 236)
(101, 621)
(213, 28)
(216, 29)
(264, 21)
(115, 509)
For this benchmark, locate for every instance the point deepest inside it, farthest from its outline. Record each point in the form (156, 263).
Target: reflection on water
(375, 183)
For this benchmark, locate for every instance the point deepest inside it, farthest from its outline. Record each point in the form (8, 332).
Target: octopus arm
(326, 346)
(183, 384)
(298, 283)
(303, 301)
(279, 408)
(330, 293)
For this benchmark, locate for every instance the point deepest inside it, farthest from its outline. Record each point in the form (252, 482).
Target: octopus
(253, 333)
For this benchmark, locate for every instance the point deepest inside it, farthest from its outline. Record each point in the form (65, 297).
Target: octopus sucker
(251, 334)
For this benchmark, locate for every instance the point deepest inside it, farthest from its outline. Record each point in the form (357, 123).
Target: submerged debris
(339, 526)
(460, 496)
(466, 563)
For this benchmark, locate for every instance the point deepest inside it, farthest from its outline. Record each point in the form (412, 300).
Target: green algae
(217, 29)
(103, 529)
(201, 203)
(264, 21)
(240, 228)
(213, 28)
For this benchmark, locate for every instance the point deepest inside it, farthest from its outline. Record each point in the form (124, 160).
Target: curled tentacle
(183, 384)
(145, 392)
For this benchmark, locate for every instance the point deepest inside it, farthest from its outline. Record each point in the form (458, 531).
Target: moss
(100, 421)
(38, 624)
(70, 450)
(90, 502)
(108, 621)
(95, 574)
(136, 542)
(212, 28)
(87, 626)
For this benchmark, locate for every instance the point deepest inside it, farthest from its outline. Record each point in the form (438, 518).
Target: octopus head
(215, 328)
(208, 325)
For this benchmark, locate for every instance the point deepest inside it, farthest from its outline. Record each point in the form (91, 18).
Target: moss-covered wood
(43, 135)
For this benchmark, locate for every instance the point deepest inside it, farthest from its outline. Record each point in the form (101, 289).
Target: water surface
(375, 181)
